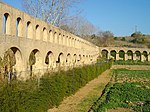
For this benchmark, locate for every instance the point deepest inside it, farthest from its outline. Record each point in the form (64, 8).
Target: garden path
(70, 103)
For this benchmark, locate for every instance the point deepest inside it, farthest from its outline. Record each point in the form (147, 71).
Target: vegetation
(52, 11)
(28, 96)
(128, 89)
(131, 62)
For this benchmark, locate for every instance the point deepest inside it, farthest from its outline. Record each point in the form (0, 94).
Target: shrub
(28, 97)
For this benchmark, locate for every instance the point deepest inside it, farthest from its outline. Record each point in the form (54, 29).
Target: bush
(28, 97)
(123, 39)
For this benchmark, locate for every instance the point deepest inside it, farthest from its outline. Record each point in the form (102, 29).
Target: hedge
(19, 96)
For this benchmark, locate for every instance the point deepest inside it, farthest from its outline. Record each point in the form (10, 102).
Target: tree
(136, 34)
(79, 26)
(105, 34)
(106, 38)
(123, 39)
(51, 11)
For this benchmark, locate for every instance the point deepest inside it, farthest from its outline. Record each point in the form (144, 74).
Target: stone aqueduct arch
(123, 53)
(51, 46)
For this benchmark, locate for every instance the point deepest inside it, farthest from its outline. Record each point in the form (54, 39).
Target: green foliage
(130, 53)
(138, 40)
(113, 53)
(148, 45)
(121, 54)
(136, 34)
(115, 38)
(123, 39)
(130, 62)
(130, 89)
(28, 97)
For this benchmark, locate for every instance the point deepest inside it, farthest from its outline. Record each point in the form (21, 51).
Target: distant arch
(130, 55)
(145, 54)
(138, 55)
(113, 54)
(104, 54)
(122, 55)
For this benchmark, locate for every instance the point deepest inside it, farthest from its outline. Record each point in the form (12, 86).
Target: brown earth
(70, 103)
(132, 67)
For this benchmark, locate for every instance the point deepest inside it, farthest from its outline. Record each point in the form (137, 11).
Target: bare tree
(51, 11)
(79, 26)
(106, 38)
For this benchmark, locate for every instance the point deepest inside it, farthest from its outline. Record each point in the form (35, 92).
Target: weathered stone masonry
(24, 34)
(144, 53)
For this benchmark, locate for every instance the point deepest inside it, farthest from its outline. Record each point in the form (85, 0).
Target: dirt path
(132, 67)
(70, 103)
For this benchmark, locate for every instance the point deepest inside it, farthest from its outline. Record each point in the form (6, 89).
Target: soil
(132, 67)
(70, 103)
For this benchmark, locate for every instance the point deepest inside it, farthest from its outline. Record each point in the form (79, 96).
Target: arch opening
(121, 55)
(104, 54)
(37, 32)
(68, 59)
(49, 60)
(44, 34)
(6, 24)
(138, 55)
(145, 56)
(74, 59)
(19, 27)
(130, 55)
(51, 36)
(29, 30)
(113, 54)
(35, 60)
(55, 38)
(12, 63)
(60, 60)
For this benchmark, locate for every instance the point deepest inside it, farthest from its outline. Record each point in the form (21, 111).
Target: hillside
(128, 41)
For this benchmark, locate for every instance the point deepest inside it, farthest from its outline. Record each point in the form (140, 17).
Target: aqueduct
(51, 47)
(124, 53)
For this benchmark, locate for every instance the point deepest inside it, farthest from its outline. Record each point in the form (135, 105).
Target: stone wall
(24, 34)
